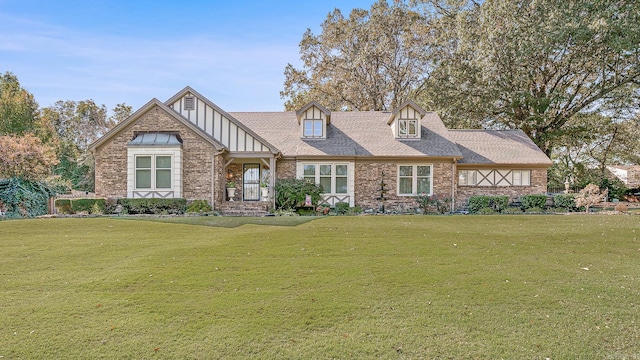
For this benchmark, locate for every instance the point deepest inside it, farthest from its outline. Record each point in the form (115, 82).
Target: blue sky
(232, 52)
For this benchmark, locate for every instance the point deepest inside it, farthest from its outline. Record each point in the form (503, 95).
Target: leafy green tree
(18, 108)
(533, 65)
(372, 60)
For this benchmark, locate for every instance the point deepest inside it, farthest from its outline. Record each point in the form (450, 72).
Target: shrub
(153, 206)
(291, 193)
(433, 203)
(496, 203)
(355, 210)
(24, 198)
(90, 206)
(620, 207)
(534, 210)
(199, 206)
(342, 208)
(110, 205)
(534, 201)
(567, 201)
(63, 206)
(478, 202)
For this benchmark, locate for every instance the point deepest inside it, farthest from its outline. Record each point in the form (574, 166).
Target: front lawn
(366, 287)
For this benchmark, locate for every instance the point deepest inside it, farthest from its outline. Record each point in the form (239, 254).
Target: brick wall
(197, 179)
(368, 176)
(538, 186)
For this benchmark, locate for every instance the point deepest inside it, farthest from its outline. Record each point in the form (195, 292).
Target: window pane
(143, 162)
(406, 170)
(143, 179)
(341, 170)
(462, 177)
(413, 128)
(163, 162)
(405, 186)
(526, 177)
(341, 185)
(309, 170)
(326, 184)
(317, 128)
(325, 170)
(308, 127)
(516, 178)
(424, 185)
(402, 127)
(163, 179)
(424, 170)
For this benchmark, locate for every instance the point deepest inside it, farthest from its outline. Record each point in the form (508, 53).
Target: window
(153, 172)
(494, 177)
(407, 128)
(521, 178)
(313, 128)
(332, 177)
(414, 179)
(467, 177)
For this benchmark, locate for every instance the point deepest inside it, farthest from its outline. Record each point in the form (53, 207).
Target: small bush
(534, 201)
(110, 205)
(153, 206)
(63, 206)
(342, 208)
(567, 201)
(620, 207)
(355, 210)
(291, 193)
(199, 206)
(478, 202)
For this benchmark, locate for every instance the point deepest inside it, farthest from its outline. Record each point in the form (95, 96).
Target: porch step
(244, 208)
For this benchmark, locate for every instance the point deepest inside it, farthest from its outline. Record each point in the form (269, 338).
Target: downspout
(213, 179)
(453, 185)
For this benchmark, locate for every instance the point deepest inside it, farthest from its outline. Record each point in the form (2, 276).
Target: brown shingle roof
(354, 133)
(498, 147)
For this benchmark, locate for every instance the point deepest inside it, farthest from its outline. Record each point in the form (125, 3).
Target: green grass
(369, 287)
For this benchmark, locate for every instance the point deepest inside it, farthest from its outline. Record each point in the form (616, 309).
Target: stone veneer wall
(111, 158)
(538, 186)
(368, 176)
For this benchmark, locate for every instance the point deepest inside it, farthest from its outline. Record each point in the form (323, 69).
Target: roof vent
(189, 103)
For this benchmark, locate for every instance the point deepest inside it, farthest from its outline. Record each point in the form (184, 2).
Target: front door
(251, 182)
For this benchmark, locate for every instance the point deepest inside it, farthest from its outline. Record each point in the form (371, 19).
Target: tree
(76, 126)
(589, 196)
(25, 157)
(533, 65)
(372, 60)
(18, 108)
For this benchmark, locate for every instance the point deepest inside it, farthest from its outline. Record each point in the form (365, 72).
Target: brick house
(188, 147)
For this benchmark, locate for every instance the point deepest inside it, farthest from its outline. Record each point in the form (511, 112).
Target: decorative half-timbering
(405, 121)
(313, 119)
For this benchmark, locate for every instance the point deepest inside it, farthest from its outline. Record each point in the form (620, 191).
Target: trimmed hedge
(566, 201)
(534, 201)
(74, 206)
(153, 206)
(480, 202)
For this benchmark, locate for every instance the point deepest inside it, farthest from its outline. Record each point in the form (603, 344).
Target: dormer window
(405, 121)
(312, 128)
(313, 119)
(408, 128)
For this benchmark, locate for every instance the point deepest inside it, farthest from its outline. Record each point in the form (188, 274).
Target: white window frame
(473, 177)
(334, 175)
(154, 172)
(468, 177)
(407, 123)
(313, 122)
(414, 179)
(176, 170)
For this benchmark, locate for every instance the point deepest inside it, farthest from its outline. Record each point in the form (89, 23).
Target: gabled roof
(143, 110)
(351, 134)
(503, 147)
(324, 110)
(188, 90)
(415, 106)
